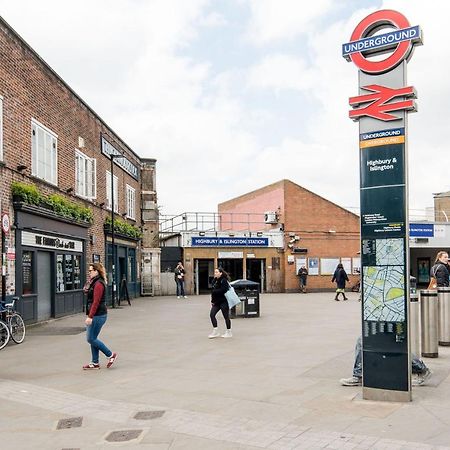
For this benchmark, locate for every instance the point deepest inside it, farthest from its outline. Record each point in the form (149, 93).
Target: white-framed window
(109, 192)
(131, 202)
(1, 128)
(44, 149)
(85, 175)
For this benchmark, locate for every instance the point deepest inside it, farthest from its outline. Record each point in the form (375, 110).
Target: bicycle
(12, 325)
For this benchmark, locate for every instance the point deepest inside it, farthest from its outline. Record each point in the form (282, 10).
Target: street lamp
(113, 256)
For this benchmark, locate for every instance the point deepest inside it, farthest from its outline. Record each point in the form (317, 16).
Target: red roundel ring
(386, 16)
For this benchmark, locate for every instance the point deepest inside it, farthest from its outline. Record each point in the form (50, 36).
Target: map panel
(384, 293)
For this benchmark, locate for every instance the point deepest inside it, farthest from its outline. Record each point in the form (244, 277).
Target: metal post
(113, 256)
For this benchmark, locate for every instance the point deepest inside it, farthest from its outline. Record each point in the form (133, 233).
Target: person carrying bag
(219, 302)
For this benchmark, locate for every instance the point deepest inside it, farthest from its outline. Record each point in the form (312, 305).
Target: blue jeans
(180, 288)
(417, 365)
(92, 333)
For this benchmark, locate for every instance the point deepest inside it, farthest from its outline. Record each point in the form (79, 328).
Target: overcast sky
(231, 95)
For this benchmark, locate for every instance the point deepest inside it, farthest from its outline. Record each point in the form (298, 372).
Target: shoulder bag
(231, 296)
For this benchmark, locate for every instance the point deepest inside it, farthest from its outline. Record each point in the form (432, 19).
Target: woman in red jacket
(96, 316)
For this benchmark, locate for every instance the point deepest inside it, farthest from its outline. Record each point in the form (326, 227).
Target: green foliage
(29, 193)
(124, 228)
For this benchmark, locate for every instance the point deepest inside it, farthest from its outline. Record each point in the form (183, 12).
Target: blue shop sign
(229, 242)
(421, 230)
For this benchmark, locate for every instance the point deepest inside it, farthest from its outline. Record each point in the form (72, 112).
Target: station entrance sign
(381, 109)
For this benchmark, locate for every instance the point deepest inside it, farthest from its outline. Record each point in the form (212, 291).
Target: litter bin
(248, 292)
(444, 315)
(414, 311)
(429, 322)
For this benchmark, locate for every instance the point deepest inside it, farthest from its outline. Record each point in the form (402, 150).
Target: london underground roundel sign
(364, 42)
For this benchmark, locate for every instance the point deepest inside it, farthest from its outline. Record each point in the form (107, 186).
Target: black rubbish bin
(248, 292)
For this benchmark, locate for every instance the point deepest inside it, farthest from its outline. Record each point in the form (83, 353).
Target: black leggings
(225, 311)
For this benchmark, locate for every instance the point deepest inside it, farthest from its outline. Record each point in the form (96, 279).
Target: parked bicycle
(12, 325)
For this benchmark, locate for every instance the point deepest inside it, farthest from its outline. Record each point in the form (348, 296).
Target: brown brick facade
(32, 90)
(324, 229)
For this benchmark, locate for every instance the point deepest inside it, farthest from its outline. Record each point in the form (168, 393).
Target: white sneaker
(215, 333)
(185, 296)
(420, 379)
(352, 381)
(178, 296)
(227, 334)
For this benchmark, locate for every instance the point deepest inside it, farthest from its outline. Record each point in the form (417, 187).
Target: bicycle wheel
(4, 334)
(16, 328)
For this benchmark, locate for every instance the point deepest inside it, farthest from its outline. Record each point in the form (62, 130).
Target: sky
(231, 95)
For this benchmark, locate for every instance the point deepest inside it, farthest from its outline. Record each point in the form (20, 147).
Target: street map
(384, 284)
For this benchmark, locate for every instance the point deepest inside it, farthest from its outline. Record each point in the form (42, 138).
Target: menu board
(77, 272)
(68, 272)
(59, 273)
(27, 272)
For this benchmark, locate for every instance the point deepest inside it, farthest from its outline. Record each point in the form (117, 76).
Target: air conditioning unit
(270, 217)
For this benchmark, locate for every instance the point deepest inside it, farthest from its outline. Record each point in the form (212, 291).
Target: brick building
(58, 186)
(317, 232)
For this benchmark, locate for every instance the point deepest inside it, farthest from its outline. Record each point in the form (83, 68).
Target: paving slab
(273, 385)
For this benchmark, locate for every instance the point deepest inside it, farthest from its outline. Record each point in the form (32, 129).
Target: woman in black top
(340, 276)
(440, 270)
(219, 302)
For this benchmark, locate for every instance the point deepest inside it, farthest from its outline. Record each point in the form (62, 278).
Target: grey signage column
(381, 109)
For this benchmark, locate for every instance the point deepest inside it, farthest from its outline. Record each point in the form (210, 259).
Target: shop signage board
(381, 109)
(52, 242)
(200, 241)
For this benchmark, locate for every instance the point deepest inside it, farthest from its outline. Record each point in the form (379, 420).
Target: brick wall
(309, 216)
(30, 89)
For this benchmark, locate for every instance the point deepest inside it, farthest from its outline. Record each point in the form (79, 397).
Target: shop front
(255, 258)
(126, 266)
(50, 267)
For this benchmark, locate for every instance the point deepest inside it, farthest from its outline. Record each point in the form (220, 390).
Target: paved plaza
(273, 385)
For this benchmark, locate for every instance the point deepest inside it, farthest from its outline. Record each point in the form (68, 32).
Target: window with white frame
(85, 175)
(109, 192)
(44, 149)
(1, 128)
(131, 202)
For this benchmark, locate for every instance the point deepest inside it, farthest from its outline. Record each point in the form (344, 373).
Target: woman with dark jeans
(97, 314)
(220, 303)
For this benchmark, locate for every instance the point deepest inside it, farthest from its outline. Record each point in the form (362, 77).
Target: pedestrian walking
(220, 303)
(340, 277)
(440, 271)
(179, 279)
(302, 276)
(96, 317)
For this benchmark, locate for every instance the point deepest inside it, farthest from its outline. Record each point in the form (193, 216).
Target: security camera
(292, 240)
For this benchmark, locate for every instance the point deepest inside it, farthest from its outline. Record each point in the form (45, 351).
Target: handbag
(433, 281)
(231, 296)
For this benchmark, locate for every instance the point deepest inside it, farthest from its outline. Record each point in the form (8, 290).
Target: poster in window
(423, 270)
(328, 265)
(27, 272)
(59, 273)
(313, 266)
(77, 272)
(356, 265)
(347, 263)
(68, 272)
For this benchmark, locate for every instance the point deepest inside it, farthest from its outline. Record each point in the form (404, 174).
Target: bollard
(444, 315)
(414, 314)
(429, 322)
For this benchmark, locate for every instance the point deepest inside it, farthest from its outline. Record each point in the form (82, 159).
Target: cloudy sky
(231, 95)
